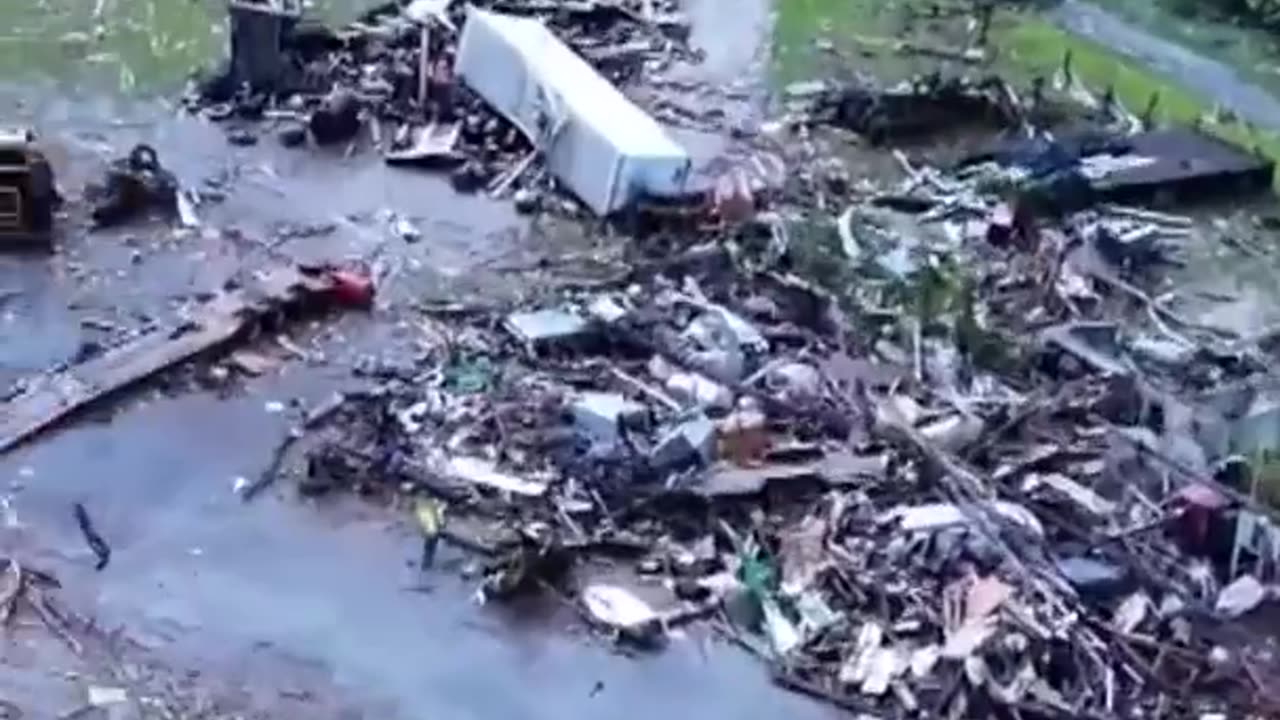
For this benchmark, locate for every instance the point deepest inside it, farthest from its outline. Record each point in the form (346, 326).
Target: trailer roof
(587, 96)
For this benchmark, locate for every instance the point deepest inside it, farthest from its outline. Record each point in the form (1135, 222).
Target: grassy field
(125, 45)
(1028, 46)
(815, 37)
(800, 23)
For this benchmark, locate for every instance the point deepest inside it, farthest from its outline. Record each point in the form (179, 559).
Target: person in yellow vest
(430, 516)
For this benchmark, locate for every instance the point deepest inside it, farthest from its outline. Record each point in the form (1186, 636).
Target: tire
(40, 197)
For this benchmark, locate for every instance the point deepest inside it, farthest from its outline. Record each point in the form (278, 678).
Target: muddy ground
(278, 607)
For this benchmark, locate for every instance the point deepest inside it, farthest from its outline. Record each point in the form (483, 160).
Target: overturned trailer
(606, 150)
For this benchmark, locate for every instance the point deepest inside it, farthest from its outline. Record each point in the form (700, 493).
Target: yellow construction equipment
(27, 191)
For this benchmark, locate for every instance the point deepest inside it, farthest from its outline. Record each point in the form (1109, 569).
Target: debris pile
(132, 186)
(396, 72)
(924, 105)
(981, 471)
(959, 489)
(943, 447)
(27, 589)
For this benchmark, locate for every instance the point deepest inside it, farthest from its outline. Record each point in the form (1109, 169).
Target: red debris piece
(352, 287)
(1201, 506)
(732, 199)
(1203, 496)
(1012, 225)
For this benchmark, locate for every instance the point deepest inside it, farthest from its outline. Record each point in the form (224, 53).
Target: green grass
(1255, 53)
(858, 30)
(134, 46)
(800, 22)
(1030, 46)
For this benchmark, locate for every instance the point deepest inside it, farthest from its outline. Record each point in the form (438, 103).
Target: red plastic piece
(353, 288)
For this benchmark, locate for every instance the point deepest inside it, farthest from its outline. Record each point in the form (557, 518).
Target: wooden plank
(50, 398)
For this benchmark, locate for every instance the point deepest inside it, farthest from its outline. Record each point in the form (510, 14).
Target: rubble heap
(392, 72)
(984, 473)
(969, 497)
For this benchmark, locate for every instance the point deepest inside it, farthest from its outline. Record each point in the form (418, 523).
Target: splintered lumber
(50, 398)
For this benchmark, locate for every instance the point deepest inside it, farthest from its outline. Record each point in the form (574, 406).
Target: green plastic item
(759, 575)
(469, 375)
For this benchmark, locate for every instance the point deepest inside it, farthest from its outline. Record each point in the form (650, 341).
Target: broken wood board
(50, 398)
(834, 469)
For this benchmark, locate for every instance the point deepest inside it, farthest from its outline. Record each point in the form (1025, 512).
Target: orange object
(744, 439)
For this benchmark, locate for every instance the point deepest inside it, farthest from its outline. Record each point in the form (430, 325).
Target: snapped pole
(424, 63)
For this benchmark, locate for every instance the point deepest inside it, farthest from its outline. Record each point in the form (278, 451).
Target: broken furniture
(434, 144)
(598, 143)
